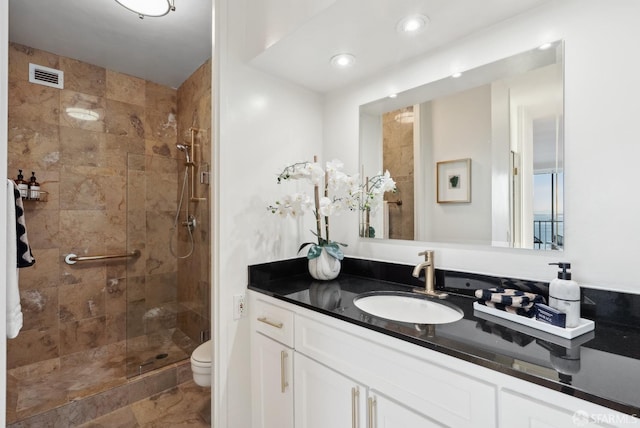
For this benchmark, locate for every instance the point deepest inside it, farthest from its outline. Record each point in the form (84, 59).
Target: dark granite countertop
(602, 366)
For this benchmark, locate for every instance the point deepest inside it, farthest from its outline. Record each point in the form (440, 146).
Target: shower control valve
(190, 223)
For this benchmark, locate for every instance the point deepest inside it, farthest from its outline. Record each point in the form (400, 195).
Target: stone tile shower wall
(77, 315)
(397, 140)
(194, 105)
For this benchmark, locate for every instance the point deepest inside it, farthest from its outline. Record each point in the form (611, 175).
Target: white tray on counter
(568, 333)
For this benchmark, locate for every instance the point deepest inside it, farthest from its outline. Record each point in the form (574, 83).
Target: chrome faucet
(428, 266)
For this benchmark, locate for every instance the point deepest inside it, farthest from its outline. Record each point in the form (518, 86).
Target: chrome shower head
(185, 149)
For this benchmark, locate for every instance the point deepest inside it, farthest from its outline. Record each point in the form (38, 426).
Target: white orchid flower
(327, 207)
(388, 184)
(303, 170)
(337, 191)
(315, 172)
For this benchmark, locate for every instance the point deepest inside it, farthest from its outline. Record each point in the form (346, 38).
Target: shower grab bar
(72, 259)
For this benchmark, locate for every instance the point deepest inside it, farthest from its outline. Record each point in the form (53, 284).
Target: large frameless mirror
(477, 159)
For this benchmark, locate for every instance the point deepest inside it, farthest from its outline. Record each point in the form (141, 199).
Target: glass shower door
(161, 287)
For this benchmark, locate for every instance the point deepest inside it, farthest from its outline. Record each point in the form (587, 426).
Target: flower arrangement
(334, 191)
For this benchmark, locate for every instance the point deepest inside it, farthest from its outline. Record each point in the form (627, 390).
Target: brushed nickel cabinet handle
(266, 320)
(283, 368)
(355, 394)
(371, 407)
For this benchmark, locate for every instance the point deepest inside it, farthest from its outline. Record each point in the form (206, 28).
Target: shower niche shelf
(43, 196)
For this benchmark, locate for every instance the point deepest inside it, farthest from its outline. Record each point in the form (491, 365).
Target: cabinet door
(325, 398)
(522, 411)
(272, 383)
(419, 379)
(386, 413)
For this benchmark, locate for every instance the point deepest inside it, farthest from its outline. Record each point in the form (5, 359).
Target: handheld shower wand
(184, 148)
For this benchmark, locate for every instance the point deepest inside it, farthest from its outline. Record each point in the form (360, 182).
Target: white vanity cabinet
(349, 376)
(386, 413)
(325, 398)
(404, 389)
(535, 406)
(271, 365)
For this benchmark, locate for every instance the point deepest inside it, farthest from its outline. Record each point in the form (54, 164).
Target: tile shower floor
(186, 405)
(38, 388)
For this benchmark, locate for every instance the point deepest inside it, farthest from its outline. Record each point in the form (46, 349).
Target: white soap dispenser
(564, 295)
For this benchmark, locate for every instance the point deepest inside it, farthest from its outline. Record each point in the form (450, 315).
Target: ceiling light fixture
(412, 24)
(393, 95)
(153, 8)
(404, 117)
(545, 46)
(456, 74)
(343, 60)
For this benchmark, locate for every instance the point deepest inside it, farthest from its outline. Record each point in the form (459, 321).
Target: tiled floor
(47, 385)
(166, 397)
(187, 405)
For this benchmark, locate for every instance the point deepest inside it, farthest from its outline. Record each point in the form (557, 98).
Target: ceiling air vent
(46, 76)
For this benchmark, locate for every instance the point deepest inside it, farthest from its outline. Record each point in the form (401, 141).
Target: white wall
(461, 128)
(261, 124)
(272, 20)
(501, 233)
(4, 71)
(602, 149)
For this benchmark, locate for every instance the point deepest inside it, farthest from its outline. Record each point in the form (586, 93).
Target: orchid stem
(326, 195)
(367, 213)
(316, 194)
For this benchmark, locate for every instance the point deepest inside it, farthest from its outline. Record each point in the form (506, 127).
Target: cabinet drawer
(272, 321)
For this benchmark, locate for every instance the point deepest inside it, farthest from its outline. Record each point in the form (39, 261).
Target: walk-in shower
(102, 332)
(169, 316)
(96, 326)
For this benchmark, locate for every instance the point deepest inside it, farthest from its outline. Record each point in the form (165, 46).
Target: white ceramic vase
(324, 267)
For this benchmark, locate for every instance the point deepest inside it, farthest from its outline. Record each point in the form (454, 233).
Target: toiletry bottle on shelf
(564, 295)
(23, 186)
(34, 187)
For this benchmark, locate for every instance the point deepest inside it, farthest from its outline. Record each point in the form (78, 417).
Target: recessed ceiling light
(545, 46)
(412, 24)
(456, 74)
(393, 95)
(343, 60)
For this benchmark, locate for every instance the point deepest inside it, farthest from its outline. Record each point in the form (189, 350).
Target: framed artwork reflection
(453, 181)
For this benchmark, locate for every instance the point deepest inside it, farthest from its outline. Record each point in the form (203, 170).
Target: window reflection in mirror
(507, 117)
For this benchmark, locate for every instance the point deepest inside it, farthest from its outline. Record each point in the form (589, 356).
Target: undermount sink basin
(407, 307)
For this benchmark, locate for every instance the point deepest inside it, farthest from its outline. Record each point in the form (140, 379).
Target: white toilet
(201, 364)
